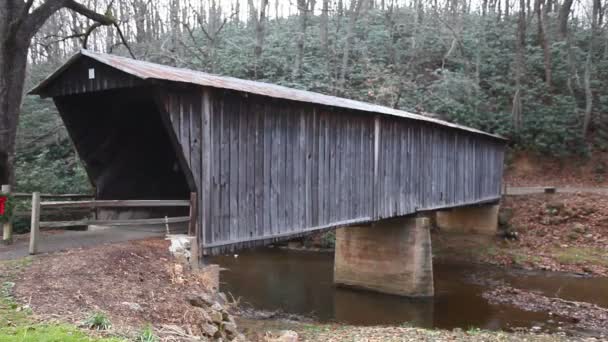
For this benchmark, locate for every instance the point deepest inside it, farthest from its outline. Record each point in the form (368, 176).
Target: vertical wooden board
(259, 169)
(249, 165)
(173, 103)
(276, 165)
(308, 164)
(339, 159)
(216, 165)
(396, 159)
(284, 195)
(314, 168)
(195, 140)
(184, 126)
(290, 189)
(267, 179)
(334, 169)
(233, 115)
(225, 168)
(205, 194)
(322, 165)
(242, 170)
(302, 170)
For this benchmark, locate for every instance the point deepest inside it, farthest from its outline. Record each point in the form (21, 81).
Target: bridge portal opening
(122, 140)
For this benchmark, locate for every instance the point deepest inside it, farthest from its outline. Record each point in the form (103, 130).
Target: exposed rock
(579, 228)
(217, 307)
(209, 329)
(282, 336)
(230, 328)
(201, 300)
(132, 306)
(216, 316)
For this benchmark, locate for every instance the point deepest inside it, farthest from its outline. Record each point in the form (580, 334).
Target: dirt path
(55, 241)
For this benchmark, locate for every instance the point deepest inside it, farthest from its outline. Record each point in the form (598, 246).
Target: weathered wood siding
(75, 79)
(269, 169)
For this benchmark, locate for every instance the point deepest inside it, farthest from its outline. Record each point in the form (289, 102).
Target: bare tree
(541, 10)
(304, 6)
(259, 26)
(520, 62)
(324, 25)
(356, 8)
(597, 5)
(562, 19)
(19, 22)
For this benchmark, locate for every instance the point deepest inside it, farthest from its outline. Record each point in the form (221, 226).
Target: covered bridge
(267, 162)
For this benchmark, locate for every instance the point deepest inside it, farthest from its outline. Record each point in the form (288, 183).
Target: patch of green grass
(581, 255)
(48, 333)
(147, 335)
(16, 322)
(98, 321)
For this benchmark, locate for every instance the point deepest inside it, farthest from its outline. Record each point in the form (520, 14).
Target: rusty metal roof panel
(149, 71)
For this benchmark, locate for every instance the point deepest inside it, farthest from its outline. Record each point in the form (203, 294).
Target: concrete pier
(390, 256)
(480, 219)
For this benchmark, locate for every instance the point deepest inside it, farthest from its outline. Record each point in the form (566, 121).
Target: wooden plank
(116, 203)
(224, 156)
(74, 196)
(258, 166)
(7, 227)
(133, 222)
(267, 180)
(234, 115)
(193, 214)
(35, 224)
(205, 194)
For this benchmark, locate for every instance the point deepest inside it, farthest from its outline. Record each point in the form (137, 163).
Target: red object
(3, 200)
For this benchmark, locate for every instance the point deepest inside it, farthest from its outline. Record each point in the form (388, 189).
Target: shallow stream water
(300, 282)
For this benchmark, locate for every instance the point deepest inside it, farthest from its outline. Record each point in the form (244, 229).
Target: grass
(98, 321)
(147, 335)
(17, 323)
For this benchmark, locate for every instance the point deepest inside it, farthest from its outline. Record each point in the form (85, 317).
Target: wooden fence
(76, 202)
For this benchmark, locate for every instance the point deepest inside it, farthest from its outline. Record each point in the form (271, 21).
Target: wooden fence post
(7, 235)
(35, 227)
(193, 214)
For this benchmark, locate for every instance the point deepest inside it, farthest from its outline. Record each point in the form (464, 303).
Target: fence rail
(29, 195)
(38, 205)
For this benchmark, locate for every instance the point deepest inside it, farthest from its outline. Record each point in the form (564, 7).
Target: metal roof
(152, 71)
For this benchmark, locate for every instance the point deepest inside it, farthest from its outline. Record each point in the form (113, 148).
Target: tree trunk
(324, 26)
(588, 66)
(562, 19)
(303, 9)
(541, 12)
(355, 10)
(520, 62)
(17, 27)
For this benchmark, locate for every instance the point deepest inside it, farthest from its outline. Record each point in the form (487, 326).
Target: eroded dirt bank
(560, 232)
(135, 284)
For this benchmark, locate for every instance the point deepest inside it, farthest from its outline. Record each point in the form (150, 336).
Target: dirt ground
(560, 232)
(530, 169)
(134, 283)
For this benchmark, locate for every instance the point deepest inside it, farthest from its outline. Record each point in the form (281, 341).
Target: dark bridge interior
(121, 138)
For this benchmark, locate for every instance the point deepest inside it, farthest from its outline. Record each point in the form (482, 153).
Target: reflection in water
(302, 283)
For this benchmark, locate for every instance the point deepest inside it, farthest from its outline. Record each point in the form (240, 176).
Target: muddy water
(301, 283)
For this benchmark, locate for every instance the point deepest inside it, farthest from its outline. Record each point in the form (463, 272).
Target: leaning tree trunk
(18, 24)
(13, 57)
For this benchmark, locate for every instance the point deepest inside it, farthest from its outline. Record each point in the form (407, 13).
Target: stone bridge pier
(394, 256)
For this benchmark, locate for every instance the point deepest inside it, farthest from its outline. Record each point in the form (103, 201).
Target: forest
(534, 71)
